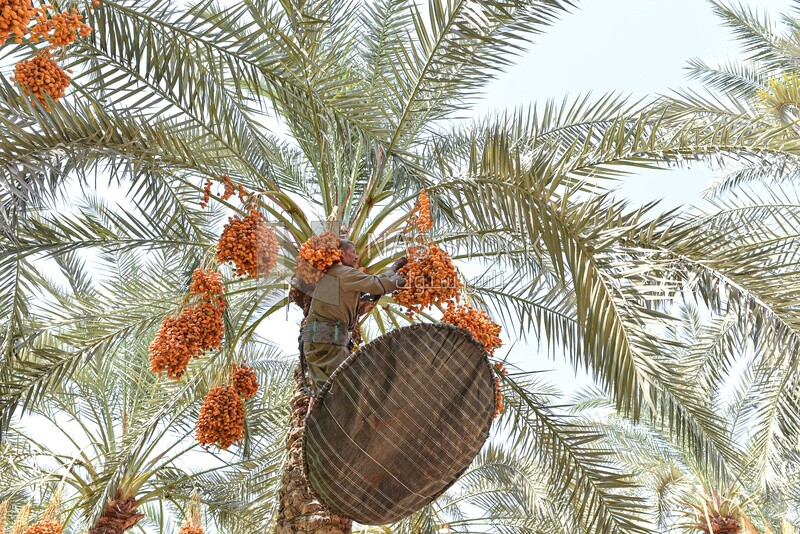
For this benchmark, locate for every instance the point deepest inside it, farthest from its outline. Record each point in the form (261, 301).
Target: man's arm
(355, 280)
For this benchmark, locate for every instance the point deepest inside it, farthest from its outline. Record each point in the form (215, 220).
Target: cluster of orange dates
(247, 241)
(15, 15)
(221, 420)
(477, 322)
(60, 30)
(419, 220)
(431, 279)
(250, 244)
(45, 527)
(317, 255)
(196, 329)
(421, 215)
(244, 381)
(41, 76)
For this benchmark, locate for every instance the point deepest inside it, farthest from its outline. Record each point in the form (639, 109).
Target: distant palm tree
(759, 482)
(113, 432)
(342, 110)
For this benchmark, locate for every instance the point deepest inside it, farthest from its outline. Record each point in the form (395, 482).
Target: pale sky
(636, 47)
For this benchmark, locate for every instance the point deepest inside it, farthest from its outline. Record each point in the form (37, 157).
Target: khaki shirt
(337, 294)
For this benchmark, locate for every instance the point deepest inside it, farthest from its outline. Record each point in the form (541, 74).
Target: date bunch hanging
(195, 329)
(222, 414)
(477, 323)
(41, 76)
(431, 277)
(248, 241)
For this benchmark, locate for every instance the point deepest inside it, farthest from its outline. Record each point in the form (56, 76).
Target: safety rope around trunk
(303, 370)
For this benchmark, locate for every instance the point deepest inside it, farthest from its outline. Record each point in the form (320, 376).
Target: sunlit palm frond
(738, 79)
(454, 49)
(756, 32)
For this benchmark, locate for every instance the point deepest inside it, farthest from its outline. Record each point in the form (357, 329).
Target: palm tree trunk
(121, 515)
(299, 511)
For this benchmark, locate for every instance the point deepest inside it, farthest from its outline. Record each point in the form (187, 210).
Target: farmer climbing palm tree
(335, 307)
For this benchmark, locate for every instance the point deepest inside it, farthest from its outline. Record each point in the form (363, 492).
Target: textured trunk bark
(120, 516)
(299, 511)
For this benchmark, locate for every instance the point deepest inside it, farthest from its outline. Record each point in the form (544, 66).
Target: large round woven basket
(398, 422)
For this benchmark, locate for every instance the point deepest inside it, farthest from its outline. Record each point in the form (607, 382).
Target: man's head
(349, 256)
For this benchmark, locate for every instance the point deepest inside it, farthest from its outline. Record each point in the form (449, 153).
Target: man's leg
(323, 359)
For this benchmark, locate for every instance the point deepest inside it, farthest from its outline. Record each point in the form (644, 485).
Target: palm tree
(366, 98)
(118, 436)
(758, 481)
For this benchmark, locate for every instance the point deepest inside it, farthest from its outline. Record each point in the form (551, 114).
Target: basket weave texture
(399, 422)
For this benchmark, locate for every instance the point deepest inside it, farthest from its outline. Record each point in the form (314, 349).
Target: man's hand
(399, 264)
(365, 306)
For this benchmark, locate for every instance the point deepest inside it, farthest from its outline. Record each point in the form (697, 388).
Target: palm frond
(738, 79)
(582, 474)
(756, 33)
(454, 50)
